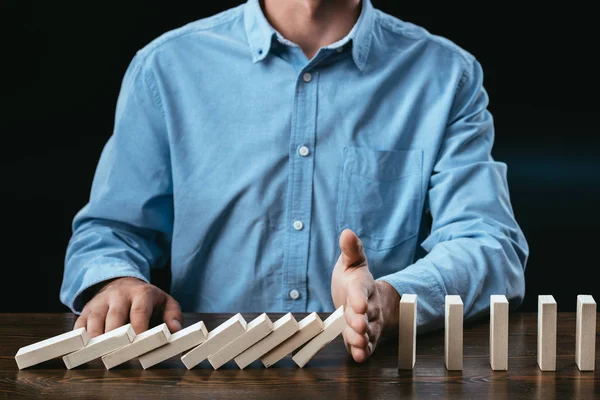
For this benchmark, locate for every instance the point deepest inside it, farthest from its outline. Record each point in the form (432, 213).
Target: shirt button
(294, 294)
(303, 151)
(307, 77)
(298, 225)
(340, 49)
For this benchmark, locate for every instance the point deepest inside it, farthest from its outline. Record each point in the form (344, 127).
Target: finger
(82, 320)
(96, 319)
(359, 355)
(117, 314)
(358, 322)
(374, 331)
(172, 315)
(355, 339)
(374, 309)
(353, 254)
(358, 296)
(141, 310)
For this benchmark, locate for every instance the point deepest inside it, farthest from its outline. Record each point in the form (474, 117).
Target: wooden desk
(332, 374)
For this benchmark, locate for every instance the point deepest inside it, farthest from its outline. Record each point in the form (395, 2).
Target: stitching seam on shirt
(461, 83)
(152, 85)
(159, 42)
(386, 22)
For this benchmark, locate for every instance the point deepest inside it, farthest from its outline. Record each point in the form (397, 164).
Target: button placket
(300, 192)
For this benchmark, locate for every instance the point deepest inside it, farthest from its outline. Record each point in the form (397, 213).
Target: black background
(61, 69)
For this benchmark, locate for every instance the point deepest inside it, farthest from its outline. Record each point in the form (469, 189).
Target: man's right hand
(128, 299)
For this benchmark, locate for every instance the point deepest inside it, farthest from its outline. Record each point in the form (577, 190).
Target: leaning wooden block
(333, 326)
(407, 331)
(53, 347)
(499, 332)
(179, 342)
(143, 343)
(258, 328)
(585, 333)
(218, 338)
(101, 345)
(453, 335)
(308, 328)
(546, 341)
(283, 328)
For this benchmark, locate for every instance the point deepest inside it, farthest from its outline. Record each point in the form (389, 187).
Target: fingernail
(177, 324)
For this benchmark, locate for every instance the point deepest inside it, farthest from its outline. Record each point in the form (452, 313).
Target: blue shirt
(240, 161)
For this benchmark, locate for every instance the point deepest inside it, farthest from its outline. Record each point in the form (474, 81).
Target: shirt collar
(260, 33)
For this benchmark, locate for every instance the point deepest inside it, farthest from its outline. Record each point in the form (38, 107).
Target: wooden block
(179, 342)
(143, 343)
(53, 347)
(308, 328)
(283, 328)
(546, 341)
(333, 326)
(218, 338)
(499, 332)
(407, 331)
(453, 335)
(585, 333)
(258, 328)
(101, 345)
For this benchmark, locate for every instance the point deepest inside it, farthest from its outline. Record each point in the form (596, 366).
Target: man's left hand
(370, 306)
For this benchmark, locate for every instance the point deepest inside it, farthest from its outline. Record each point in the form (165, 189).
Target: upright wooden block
(546, 341)
(53, 347)
(585, 333)
(179, 342)
(218, 338)
(283, 328)
(101, 345)
(143, 343)
(453, 335)
(407, 331)
(308, 328)
(258, 328)
(333, 326)
(499, 332)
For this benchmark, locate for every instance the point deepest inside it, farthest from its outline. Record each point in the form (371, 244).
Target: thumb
(353, 254)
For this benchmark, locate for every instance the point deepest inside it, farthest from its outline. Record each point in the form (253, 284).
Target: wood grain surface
(331, 374)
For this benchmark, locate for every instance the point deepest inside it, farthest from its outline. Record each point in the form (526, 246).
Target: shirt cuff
(98, 273)
(422, 279)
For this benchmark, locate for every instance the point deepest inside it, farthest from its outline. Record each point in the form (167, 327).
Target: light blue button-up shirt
(240, 161)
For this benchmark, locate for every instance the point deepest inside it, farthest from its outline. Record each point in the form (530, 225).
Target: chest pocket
(380, 195)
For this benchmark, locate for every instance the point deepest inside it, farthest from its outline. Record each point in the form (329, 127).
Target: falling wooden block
(179, 342)
(585, 333)
(53, 347)
(283, 328)
(101, 345)
(333, 326)
(143, 343)
(257, 330)
(308, 328)
(546, 341)
(218, 338)
(407, 331)
(499, 332)
(453, 335)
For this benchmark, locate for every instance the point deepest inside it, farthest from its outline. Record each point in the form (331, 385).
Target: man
(286, 155)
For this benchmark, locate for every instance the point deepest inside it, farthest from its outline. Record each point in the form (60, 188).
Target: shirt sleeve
(126, 227)
(475, 247)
